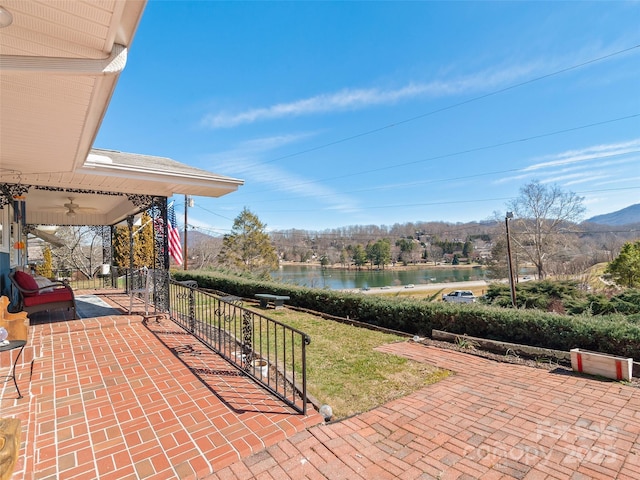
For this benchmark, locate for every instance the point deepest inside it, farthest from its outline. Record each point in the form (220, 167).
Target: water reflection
(316, 277)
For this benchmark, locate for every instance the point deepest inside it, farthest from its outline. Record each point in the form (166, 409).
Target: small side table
(13, 344)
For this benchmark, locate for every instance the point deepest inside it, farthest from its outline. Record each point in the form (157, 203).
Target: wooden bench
(277, 300)
(10, 433)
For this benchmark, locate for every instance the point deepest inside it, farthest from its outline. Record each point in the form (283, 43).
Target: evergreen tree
(120, 242)
(379, 253)
(467, 249)
(406, 248)
(359, 256)
(248, 247)
(143, 243)
(625, 268)
(46, 269)
(498, 266)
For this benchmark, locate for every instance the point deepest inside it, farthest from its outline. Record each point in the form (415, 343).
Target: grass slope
(344, 370)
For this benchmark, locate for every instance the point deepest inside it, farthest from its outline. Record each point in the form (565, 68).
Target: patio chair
(142, 283)
(33, 298)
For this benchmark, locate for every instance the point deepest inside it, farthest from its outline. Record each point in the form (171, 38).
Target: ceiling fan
(73, 208)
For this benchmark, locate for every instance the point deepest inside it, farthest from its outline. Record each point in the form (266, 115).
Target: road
(450, 286)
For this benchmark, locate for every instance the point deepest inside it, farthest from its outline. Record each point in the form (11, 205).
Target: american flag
(175, 245)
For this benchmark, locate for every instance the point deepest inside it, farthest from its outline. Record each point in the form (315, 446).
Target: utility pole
(188, 202)
(511, 283)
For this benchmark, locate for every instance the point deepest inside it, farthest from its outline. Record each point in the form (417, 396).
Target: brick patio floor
(489, 420)
(120, 397)
(117, 398)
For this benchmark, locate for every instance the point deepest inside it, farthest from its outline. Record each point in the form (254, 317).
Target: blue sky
(376, 113)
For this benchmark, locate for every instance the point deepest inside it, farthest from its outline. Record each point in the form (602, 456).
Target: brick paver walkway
(120, 398)
(489, 420)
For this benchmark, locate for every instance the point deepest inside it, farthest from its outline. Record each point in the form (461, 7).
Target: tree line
(544, 229)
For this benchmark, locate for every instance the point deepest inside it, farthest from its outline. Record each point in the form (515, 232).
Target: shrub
(613, 334)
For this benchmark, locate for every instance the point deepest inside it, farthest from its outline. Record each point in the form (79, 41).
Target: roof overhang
(104, 185)
(59, 65)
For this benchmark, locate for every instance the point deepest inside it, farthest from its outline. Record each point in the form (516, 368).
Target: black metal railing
(270, 352)
(102, 278)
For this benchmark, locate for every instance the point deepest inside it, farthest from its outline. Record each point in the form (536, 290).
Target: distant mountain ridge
(628, 215)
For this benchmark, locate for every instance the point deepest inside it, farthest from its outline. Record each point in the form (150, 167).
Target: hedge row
(565, 296)
(612, 334)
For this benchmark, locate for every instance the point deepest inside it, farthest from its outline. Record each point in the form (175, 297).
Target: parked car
(459, 296)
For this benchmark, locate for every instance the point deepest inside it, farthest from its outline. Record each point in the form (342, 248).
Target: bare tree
(82, 250)
(542, 215)
(204, 252)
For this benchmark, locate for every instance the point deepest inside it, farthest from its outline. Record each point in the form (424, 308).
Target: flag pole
(185, 256)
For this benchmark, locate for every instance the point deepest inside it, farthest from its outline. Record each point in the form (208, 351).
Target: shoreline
(443, 266)
(410, 288)
(450, 286)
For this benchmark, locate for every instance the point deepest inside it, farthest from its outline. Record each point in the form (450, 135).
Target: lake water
(314, 276)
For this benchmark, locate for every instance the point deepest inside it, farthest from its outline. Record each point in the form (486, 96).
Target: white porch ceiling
(59, 65)
(53, 91)
(108, 173)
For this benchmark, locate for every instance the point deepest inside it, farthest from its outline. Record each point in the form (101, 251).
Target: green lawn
(345, 372)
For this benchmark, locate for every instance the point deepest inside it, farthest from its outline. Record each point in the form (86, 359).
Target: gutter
(112, 65)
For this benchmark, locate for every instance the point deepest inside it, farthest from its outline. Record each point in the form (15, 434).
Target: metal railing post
(192, 309)
(241, 335)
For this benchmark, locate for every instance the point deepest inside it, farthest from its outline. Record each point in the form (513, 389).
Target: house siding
(5, 267)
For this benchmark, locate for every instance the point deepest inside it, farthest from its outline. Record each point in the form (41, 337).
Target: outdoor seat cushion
(44, 284)
(57, 295)
(27, 282)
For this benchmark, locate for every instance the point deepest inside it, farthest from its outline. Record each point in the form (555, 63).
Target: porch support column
(162, 256)
(130, 276)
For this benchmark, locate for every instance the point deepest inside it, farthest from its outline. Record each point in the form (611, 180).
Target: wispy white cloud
(584, 179)
(557, 167)
(356, 99)
(243, 157)
(245, 160)
(487, 80)
(624, 180)
(512, 178)
(586, 154)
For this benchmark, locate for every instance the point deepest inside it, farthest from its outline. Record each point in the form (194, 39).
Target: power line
(284, 236)
(464, 152)
(311, 235)
(450, 202)
(450, 179)
(213, 213)
(449, 107)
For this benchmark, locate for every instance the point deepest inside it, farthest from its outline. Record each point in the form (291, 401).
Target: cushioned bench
(54, 295)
